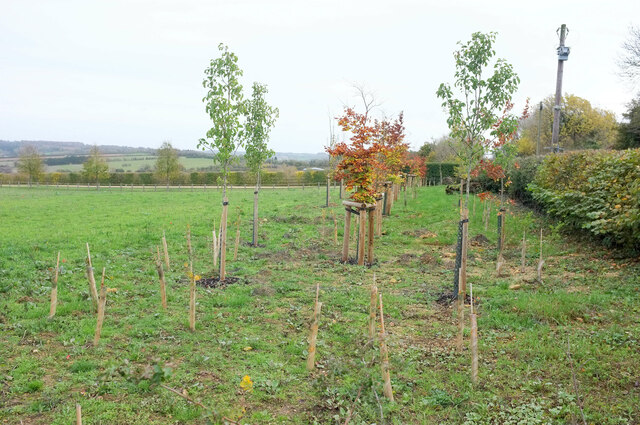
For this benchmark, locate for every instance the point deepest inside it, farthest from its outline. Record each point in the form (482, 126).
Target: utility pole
(539, 124)
(563, 55)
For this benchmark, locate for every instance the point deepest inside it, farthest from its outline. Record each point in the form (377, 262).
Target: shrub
(594, 190)
(433, 170)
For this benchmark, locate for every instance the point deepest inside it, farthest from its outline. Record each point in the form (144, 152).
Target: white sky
(130, 72)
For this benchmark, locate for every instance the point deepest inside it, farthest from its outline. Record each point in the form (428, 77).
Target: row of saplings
(375, 213)
(162, 259)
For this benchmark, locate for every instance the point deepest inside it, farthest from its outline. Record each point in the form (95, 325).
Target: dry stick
(192, 299)
(54, 290)
(166, 251)
(163, 290)
(235, 249)
(541, 261)
(311, 360)
(78, 414)
(102, 302)
(474, 340)
(189, 250)
(92, 280)
(384, 355)
(373, 307)
(524, 251)
(459, 337)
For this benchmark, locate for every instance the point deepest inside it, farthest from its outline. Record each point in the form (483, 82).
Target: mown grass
(587, 306)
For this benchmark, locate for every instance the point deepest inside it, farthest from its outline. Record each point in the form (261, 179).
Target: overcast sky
(130, 72)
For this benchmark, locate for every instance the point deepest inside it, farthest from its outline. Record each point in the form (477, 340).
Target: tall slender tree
(167, 163)
(475, 105)
(95, 167)
(260, 119)
(30, 164)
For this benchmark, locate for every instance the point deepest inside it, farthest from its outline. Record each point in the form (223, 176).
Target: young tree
(477, 110)
(260, 118)
(359, 157)
(30, 163)
(226, 108)
(95, 167)
(167, 164)
(474, 114)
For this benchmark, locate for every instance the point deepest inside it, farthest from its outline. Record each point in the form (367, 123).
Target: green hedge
(236, 178)
(594, 190)
(433, 170)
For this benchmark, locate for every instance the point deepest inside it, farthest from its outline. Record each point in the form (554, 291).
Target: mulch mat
(447, 298)
(215, 282)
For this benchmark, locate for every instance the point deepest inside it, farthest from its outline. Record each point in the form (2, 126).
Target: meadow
(562, 351)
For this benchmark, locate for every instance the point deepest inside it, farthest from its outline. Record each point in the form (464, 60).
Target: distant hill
(11, 149)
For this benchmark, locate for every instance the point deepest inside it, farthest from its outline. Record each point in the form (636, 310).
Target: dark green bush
(594, 190)
(433, 170)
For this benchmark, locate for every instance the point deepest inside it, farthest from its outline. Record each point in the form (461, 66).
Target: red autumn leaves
(376, 153)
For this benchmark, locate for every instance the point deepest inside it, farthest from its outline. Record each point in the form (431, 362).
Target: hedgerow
(594, 190)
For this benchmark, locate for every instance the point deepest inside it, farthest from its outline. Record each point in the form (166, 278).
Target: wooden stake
(371, 215)
(524, 252)
(54, 290)
(255, 216)
(541, 261)
(474, 348)
(166, 251)
(373, 308)
(465, 243)
(384, 355)
(460, 306)
(163, 291)
(102, 303)
(335, 229)
(192, 299)
(78, 414)
(215, 247)
(313, 337)
(223, 239)
(189, 250)
(361, 234)
(235, 249)
(345, 236)
(92, 280)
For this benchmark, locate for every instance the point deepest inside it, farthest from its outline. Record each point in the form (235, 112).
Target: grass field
(546, 349)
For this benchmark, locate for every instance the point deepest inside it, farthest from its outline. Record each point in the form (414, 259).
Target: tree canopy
(226, 108)
(476, 104)
(629, 130)
(581, 126)
(30, 163)
(95, 167)
(260, 118)
(167, 164)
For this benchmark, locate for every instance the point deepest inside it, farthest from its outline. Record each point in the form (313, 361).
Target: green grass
(259, 327)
